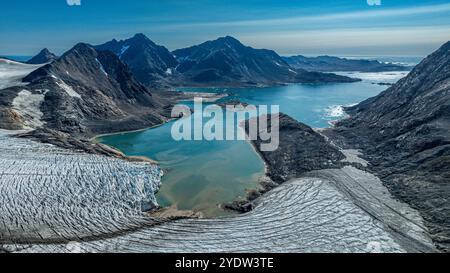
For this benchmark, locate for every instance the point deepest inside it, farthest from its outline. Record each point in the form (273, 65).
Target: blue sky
(339, 27)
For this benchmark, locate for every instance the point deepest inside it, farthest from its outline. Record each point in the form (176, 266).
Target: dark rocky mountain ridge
(333, 64)
(405, 134)
(150, 63)
(45, 56)
(87, 92)
(222, 62)
(227, 62)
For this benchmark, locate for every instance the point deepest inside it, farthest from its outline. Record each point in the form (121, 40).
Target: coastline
(210, 97)
(130, 131)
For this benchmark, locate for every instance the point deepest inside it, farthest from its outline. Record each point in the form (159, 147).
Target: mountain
(45, 56)
(331, 64)
(150, 63)
(227, 62)
(405, 134)
(84, 92)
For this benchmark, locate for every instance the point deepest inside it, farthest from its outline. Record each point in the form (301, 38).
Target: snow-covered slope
(11, 72)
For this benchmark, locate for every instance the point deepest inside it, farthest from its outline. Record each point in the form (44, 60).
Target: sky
(338, 27)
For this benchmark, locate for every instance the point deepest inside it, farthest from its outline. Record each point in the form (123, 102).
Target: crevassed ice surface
(304, 215)
(48, 193)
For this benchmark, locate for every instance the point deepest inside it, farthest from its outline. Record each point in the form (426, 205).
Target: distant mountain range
(108, 87)
(45, 56)
(335, 64)
(84, 92)
(226, 61)
(222, 62)
(405, 134)
(150, 63)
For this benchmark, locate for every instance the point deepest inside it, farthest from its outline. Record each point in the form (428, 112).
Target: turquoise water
(202, 174)
(199, 175)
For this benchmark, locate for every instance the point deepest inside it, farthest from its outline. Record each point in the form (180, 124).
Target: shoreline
(130, 131)
(213, 97)
(208, 97)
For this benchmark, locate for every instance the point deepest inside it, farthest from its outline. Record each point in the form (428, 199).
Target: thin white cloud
(344, 16)
(73, 2)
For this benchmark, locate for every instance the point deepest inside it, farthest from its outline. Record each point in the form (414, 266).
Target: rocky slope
(332, 64)
(43, 57)
(227, 62)
(85, 92)
(298, 143)
(405, 134)
(150, 63)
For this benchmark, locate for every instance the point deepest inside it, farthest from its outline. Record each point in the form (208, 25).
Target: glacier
(56, 200)
(50, 194)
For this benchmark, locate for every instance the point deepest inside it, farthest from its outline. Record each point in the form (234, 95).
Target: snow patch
(28, 105)
(123, 50)
(69, 90)
(169, 71)
(101, 67)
